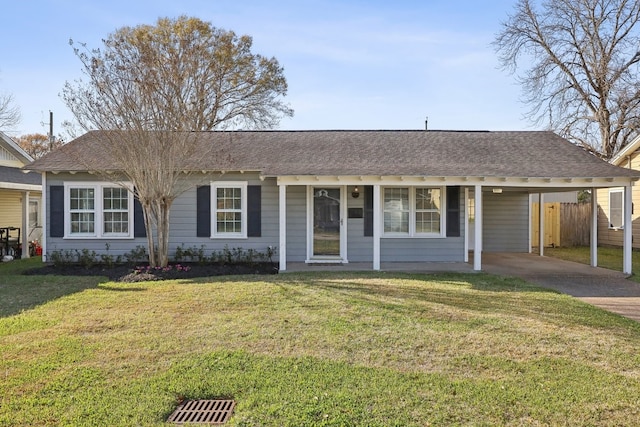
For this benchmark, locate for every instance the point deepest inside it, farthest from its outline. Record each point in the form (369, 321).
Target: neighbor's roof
(14, 148)
(627, 151)
(18, 176)
(384, 152)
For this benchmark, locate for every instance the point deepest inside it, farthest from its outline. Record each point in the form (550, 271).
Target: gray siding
(448, 249)
(182, 221)
(359, 247)
(296, 223)
(422, 250)
(505, 225)
(116, 246)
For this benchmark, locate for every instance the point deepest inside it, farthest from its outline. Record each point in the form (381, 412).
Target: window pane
(396, 199)
(615, 209)
(428, 202)
(116, 222)
(396, 222)
(116, 212)
(396, 210)
(81, 198)
(229, 210)
(33, 213)
(427, 222)
(229, 222)
(82, 222)
(81, 204)
(427, 198)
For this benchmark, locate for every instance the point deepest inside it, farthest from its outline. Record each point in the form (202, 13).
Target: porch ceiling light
(497, 190)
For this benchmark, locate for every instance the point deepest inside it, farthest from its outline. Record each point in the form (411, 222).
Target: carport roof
(502, 154)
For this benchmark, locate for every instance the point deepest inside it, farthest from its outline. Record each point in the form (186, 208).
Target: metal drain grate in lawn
(209, 412)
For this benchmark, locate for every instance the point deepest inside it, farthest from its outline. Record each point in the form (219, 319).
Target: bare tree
(583, 76)
(151, 86)
(38, 144)
(9, 112)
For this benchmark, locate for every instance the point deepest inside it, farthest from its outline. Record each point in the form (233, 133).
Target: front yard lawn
(608, 257)
(342, 349)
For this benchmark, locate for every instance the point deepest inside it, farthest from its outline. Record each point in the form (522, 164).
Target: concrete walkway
(601, 287)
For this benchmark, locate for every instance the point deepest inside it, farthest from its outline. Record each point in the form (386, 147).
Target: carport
(480, 230)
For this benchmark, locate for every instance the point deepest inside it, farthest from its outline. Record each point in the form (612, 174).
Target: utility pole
(51, 137)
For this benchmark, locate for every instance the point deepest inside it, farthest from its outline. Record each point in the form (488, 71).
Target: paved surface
(601, 287)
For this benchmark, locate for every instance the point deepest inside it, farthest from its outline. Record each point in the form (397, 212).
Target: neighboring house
(20, 195)
(371, 197)
(611, 222)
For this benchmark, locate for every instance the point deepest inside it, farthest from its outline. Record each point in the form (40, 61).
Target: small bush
(86, 258)
(139, 254)
(61, 258)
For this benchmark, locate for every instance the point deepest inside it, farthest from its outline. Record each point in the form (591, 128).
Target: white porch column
(25, 225)
(541, 223)
(628, 227)
(594, 228)
(377, 209)
(282, 203)
(530, 244)
(44, 218)
(466, 224)
(477, 250)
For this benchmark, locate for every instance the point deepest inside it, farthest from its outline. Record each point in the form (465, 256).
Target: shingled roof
(506, 154)
(16, 176)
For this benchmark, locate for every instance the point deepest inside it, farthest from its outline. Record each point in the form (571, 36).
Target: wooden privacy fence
(565, 224)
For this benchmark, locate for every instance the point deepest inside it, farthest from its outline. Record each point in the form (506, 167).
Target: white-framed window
(396, 210)
(428, 210)
(413, 211)
(34, 213)
(616, 208)
(229, 209)
(98, 210)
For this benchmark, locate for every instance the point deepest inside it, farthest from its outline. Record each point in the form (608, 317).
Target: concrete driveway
(601, 287)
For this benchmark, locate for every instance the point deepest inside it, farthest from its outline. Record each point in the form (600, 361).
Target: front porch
(490, 216)
(406, 267)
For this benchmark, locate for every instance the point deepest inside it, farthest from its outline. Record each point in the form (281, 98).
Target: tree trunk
(148, 223)
(163, 232)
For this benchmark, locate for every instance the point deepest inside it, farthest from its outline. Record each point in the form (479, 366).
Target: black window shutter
(254, 211)
(139, 230)
(56, 211)
(453, 211)
(203, 211)
(368, 210)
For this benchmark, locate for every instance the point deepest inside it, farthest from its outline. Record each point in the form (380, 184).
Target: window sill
(98, 237)
(415, 236)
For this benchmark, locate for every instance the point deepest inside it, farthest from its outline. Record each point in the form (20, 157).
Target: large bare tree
(151, 86)
(9, 112)
(582, 74)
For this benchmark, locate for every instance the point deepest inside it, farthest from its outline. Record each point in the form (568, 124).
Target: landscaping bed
(140, 273)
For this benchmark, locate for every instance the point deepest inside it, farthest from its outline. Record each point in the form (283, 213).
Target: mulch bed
(126, 273)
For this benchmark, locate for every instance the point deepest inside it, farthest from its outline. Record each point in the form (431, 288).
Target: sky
(363, 64)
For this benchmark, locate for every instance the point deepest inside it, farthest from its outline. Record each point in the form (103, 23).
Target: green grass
(608, 257)
(353, 349)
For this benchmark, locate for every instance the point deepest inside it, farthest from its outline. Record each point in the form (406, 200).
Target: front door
(327, 223)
